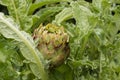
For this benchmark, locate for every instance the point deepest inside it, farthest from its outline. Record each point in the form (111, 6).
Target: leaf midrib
(15, 9)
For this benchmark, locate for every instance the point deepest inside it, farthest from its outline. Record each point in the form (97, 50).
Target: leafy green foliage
(94, 39)
(18, 9)
(40, 3)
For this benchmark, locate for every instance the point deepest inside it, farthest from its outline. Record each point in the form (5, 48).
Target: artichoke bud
(52, 42)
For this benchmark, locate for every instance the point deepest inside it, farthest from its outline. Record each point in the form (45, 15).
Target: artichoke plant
(52, 41)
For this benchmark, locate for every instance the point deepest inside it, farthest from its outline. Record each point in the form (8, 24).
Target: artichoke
(52, 41)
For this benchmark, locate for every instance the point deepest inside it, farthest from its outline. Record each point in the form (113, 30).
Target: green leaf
(9, 29)
(81, 14)
(35, 71)
(8, 52)
(97, 4)
(45, 13)
(7, 72)
(18, 9)
(2, 57)
(65, 14)
(40, 3)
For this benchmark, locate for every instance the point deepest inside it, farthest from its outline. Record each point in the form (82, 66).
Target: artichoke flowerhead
(52, 42)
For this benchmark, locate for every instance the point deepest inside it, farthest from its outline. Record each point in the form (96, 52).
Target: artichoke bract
(52, 41)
